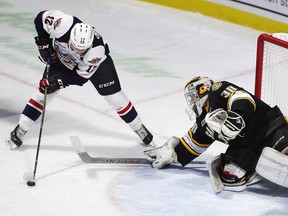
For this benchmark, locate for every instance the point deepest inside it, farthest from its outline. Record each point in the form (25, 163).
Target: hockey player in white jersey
(256, 134)
(77, 53)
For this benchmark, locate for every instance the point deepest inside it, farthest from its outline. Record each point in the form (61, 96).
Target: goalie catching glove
(223, 125)
(165, 154)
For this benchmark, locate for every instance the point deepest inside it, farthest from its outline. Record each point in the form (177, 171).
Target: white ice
(156, 51)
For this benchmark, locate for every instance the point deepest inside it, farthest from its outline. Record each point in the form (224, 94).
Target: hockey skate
(144, 135)
(16, 137)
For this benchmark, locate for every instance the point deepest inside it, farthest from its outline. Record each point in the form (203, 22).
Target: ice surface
(156, 50)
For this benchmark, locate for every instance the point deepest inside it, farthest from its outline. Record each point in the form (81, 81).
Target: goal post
(271, 79)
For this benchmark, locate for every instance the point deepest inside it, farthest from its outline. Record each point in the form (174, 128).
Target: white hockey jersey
(58, 26)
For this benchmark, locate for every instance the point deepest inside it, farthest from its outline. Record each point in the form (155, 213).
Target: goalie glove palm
(233, 125)
(165, 154)
(224, 125)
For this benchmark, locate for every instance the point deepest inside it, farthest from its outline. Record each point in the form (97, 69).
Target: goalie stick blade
(76, 143)
(86, 158)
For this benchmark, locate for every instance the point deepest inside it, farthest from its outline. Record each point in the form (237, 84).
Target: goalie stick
(86, 158)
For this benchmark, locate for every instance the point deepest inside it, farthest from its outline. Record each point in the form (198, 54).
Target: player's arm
(38, 22)
(51, 24)
(182, 150)
(192, 145)
(91, 61)
(242, 103)
(43, 40)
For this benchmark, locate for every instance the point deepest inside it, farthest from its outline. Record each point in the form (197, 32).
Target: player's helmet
(196, 93)
(81, 37)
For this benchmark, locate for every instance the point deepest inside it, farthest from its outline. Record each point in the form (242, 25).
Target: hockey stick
(29, 177)
(86, 158)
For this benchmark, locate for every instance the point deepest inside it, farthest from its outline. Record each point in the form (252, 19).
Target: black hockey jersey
(229, 97)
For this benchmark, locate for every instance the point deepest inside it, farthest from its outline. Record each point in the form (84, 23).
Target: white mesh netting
(274, 90)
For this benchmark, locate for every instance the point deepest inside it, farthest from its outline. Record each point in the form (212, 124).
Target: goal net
(271, 79)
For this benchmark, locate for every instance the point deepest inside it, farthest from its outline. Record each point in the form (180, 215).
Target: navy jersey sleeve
(39, 26)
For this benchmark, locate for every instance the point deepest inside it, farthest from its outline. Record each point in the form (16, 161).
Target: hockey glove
(223, 125)
(165, 154)
(53, 84)
(46, 49)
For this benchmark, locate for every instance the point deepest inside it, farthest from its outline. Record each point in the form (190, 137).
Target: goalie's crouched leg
(273, 165)
(225, 175)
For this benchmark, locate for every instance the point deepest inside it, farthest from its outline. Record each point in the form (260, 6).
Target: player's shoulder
(224, 88)
(220, 85)
(56, 23)
(56, 14)
(95, 55)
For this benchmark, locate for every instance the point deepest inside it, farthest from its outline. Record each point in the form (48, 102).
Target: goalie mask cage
(272, 70)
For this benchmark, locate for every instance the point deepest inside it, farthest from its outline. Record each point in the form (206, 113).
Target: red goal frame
(259, 58)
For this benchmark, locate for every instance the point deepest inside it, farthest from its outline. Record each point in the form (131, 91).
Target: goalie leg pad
(213, 168)
(273, 165)
(212, 165)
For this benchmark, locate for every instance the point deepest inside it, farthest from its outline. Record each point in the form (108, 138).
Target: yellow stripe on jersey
(193, 146)
(189, 148)
(197, 143)
(240, 95)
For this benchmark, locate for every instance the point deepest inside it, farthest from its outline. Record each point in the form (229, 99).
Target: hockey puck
(31, 183)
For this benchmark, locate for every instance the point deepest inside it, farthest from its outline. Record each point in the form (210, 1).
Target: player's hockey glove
(223, 125)
(53, 84)
(46, 49)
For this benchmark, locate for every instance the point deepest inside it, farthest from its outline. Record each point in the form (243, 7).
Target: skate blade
(10, 144)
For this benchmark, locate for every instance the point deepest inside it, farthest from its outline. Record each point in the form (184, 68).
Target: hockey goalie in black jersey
(78, 54)
(256, 134)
